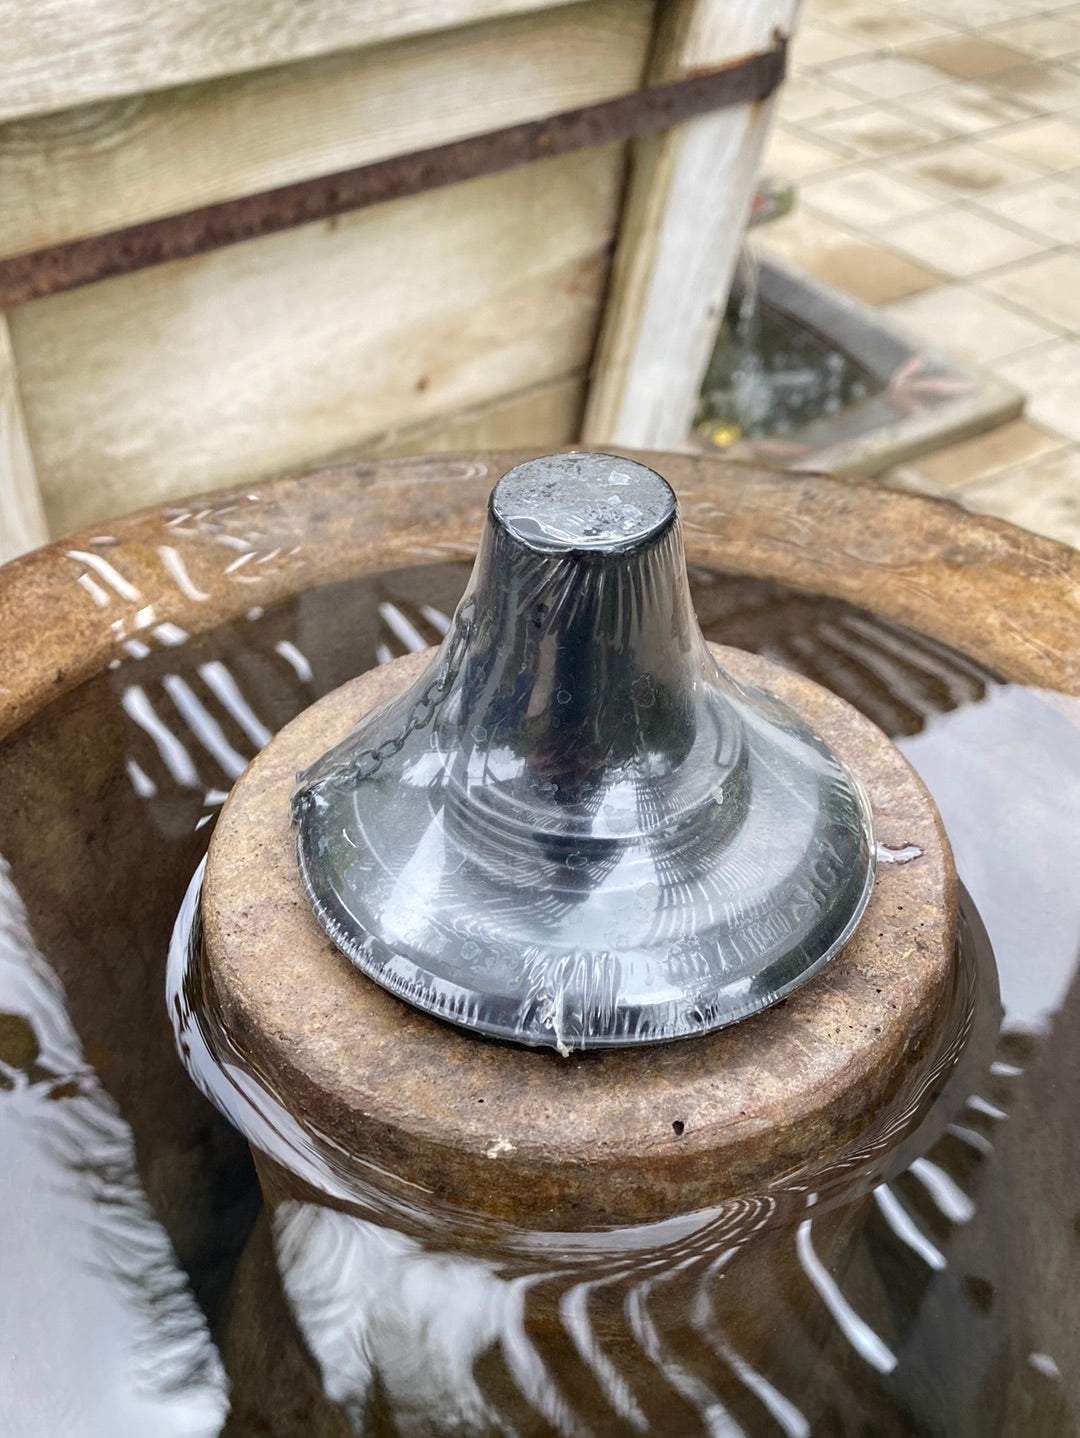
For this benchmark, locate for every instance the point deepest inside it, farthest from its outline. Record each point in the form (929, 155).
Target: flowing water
(148, 1290)
(770, 376)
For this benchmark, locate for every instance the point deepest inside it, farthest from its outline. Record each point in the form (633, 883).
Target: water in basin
(769, 376)
(144, 1279)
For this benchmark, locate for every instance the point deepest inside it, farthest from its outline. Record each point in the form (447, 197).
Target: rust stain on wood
(175, 237)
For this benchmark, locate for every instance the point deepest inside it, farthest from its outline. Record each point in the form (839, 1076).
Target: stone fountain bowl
(132, 696)
(996, 592)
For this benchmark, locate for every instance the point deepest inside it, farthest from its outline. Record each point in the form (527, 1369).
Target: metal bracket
(67, 266)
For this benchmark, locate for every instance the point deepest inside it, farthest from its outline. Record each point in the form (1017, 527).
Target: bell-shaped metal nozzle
(575, 829)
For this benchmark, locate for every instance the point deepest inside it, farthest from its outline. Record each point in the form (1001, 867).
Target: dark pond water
(770, 376)
(147, 1292)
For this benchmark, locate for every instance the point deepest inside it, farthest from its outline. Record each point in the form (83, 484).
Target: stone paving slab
(935, 148)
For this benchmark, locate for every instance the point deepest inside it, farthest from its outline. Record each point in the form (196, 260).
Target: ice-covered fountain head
(575, 829)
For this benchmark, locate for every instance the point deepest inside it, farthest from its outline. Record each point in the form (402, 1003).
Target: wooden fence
(487, 312)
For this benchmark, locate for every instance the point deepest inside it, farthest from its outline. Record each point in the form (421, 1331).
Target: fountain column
(647, 862)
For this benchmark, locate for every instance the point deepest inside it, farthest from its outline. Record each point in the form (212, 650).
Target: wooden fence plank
(62, 53)
(22, 516)
(543, 417)
(102, 167)
(680, 234)
(270, 355)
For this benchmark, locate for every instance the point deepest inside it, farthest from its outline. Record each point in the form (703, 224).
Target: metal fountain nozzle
(575, 829)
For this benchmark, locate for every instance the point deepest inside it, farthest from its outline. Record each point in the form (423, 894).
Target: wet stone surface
(618, 1137)
(954, 1310)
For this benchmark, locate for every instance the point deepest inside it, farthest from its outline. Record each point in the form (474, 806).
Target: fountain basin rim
(987, 588)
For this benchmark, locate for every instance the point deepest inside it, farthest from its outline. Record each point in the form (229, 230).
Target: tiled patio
(935, 151)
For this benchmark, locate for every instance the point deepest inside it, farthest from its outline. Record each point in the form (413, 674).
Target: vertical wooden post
(682, 226)
(22, 515)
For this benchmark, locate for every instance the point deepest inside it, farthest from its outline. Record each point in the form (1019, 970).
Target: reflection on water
(412, 1308)
(89, 1276)
(379, 1311)
(954, 1312)
(769, 375)
(991, 818)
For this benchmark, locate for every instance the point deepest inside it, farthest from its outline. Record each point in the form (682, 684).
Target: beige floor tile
(814, 45)
(956, 241)
(1048, 207)
(1039, 85)
(964, 170)
(885, 26)
(975, 14)
(1050, 36)
(869, 272)
(886, 77)
(965, 109)
(975, 459)
(842, 12)
(967, 57)
(800, 234)
(873, 274)
(911, 478)
(830, 11)
(809, 97)
(1050, 378)
(1043, 495)
(793, 155)
(820, 11)
(969, 325)
(1047, 287)
(865, 198)
(875, 131)
(1051, 144)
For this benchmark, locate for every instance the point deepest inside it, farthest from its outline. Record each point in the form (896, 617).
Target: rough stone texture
(620, 1136)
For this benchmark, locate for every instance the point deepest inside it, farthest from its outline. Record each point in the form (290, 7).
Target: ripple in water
(899, 1298)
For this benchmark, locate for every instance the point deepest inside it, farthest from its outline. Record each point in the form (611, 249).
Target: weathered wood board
(463, 316)
(22, 516)
(543, 414)
(100, 167)
(58, 53)
(682, 226)
(274, 354)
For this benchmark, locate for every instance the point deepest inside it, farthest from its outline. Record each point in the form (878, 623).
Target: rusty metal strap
(176, 237)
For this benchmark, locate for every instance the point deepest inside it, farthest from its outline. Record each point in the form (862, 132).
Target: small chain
(368, 761)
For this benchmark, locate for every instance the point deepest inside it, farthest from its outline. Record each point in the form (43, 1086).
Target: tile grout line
(840, 162)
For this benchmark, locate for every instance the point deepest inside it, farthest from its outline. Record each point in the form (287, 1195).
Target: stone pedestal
(616, 1234)
(622, 1136)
